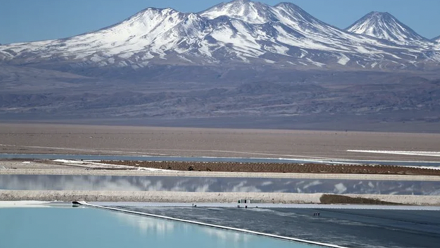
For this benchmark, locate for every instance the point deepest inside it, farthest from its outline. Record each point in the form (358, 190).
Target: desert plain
(161, 141)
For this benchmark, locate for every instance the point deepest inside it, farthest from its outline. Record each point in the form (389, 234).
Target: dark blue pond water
(344, 227)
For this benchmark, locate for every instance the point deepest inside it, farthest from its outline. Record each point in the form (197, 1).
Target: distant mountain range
(237, 64)
(238, 32)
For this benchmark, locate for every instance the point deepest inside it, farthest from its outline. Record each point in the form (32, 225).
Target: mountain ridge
(237, 32)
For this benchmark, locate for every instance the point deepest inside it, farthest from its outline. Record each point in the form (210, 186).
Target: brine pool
(50, 227)
(219, 184)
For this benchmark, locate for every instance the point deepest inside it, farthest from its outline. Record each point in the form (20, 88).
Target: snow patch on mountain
(343, 60)
(437, 41)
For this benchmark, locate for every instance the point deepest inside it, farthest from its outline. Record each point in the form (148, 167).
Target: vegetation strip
(281, 168)
(342, 199)
(211, 225)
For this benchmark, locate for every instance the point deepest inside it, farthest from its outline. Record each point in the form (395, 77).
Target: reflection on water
(207, 184)
(147, 225)
(225, 237)
(161, 228)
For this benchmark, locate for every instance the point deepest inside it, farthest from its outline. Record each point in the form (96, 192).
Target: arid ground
(158, 141)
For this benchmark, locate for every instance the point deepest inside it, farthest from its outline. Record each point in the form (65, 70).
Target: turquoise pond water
(88, 227)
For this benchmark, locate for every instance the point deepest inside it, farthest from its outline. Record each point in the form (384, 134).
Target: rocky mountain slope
(237, 64)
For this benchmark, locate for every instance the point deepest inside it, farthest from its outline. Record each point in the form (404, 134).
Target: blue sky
(30, 20)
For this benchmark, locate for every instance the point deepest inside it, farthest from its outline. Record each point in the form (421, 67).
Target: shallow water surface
(87, 227)
(221, 184)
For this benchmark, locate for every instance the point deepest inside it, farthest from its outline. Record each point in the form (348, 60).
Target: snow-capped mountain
(383, 25)
(250, 12)
(237, 32)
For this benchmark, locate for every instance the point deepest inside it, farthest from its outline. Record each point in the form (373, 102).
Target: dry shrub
(281, 167)
(341, 199)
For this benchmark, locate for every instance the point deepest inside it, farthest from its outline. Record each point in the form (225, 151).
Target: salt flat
(197, 197)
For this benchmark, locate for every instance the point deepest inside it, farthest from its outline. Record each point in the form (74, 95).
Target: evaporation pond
(87, 227)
